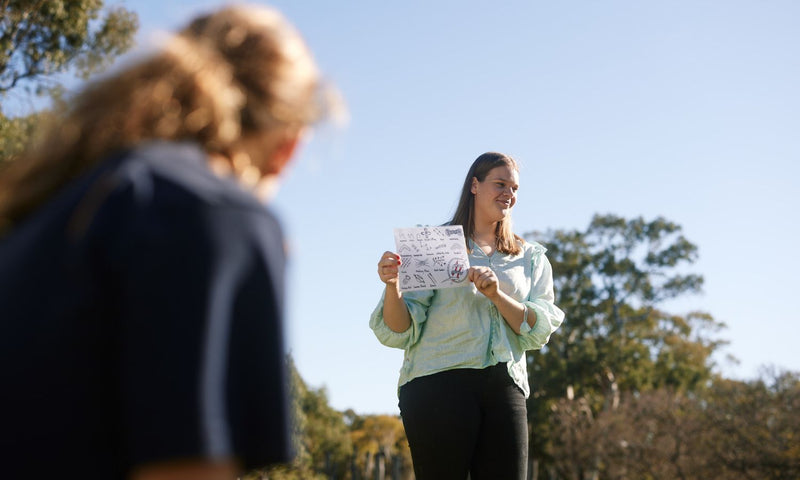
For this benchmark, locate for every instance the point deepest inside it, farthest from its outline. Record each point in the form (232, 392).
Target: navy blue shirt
(141, 315)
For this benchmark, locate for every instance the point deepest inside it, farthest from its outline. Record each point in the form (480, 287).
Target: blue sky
(685, 109)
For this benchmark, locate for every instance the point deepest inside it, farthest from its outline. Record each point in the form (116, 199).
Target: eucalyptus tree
(44, 42)
(615, 280)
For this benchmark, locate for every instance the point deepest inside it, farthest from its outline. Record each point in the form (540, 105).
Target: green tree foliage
(332, 444)
(44, 37)
(731, 431)
(755, 426)
(612, 280)
(15, 133)
(327, 436)
(383, 437)
(40, 39)
(321, 437)
(652, 435)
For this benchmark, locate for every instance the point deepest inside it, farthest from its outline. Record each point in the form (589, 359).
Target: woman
(464, 379)
(141, 276)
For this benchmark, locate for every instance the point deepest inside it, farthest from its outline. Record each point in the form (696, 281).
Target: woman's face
(496, 194)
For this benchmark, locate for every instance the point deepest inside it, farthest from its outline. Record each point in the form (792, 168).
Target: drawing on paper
(431, 257)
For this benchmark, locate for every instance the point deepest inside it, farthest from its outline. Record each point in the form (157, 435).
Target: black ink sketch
(432, 257)
(433, 282)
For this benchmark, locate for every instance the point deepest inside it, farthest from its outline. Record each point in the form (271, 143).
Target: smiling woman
(484, 210)
(464, 383)
(494, 197)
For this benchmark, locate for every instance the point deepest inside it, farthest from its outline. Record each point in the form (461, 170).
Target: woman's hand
(388, 268)
(485, 281)
(513, 312)
(395, 311)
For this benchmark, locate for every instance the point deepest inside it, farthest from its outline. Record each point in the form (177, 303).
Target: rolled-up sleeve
(417, 303)
(541, 301)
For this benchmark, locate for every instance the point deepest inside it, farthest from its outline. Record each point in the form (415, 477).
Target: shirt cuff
(525, 327)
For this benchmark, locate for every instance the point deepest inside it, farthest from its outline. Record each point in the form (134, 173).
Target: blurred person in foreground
(142, 276)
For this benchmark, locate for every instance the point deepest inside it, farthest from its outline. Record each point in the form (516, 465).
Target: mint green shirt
(461, 328)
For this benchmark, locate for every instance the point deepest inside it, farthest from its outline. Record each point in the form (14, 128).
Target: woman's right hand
(395, 311)
(388, 268)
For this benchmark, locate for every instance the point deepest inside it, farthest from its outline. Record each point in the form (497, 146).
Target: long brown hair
(239, 71)
(507, 241)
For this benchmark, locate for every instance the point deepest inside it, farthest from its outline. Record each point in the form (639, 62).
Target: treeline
(340, 445)
(732, 430)
(628, 389)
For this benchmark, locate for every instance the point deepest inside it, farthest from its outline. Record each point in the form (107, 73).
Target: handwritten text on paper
(431, 257)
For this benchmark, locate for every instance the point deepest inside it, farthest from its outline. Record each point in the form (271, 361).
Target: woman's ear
(474, 187)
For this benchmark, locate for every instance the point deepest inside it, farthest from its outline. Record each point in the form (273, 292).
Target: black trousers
(466, 421)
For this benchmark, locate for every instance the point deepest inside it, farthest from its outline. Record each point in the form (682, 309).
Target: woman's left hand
(485, 280)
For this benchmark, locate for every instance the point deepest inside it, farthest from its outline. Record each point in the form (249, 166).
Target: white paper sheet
(431, 257)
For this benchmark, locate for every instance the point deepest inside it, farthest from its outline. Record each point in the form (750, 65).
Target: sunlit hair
(507, 241)
(237, 72)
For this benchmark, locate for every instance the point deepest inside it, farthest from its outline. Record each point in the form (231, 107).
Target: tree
(731, 431)
(17, 132)
(380, 437)
(652, 435)
(327, 435)
(320, 436)
(754, 426)
(45, 37)
(40, 39)
(612, 281)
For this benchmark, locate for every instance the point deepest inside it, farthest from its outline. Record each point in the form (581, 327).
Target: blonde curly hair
(233, 74)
